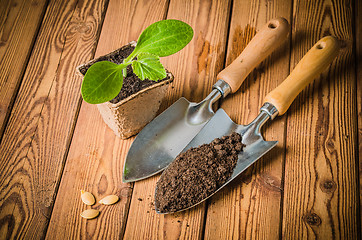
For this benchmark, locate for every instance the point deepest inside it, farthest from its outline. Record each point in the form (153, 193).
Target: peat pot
(128, 116)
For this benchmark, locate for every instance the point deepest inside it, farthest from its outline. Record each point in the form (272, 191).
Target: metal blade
(221, 125)
(164, 138)
(245, 160)
(251, 154)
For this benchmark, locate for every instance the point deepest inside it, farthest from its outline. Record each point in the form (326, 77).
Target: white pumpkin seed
(90, 213)
(109, 200)
(87, 198)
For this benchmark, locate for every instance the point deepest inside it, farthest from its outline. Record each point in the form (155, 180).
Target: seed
(87, 198)
(90, 213)
(109, 200)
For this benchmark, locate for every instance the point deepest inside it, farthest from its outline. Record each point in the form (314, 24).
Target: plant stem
(128, 61)
(130, 57)
(123, 66)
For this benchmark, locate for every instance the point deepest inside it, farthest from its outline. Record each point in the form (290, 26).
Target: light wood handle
(310, 66)
(270, 36)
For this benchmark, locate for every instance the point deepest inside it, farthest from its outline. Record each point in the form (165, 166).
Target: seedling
(103, 80)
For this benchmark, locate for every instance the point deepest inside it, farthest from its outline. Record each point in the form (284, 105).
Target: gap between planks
(6, 107)
(209, 21)
(105, 160)
(358, 66)
(41, 223)
(80, 101)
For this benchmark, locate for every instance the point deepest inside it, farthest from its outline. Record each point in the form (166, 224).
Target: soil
(197, 173)
(131, 84)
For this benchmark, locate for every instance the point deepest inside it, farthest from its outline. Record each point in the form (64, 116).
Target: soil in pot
(197, 173)
(131, 84)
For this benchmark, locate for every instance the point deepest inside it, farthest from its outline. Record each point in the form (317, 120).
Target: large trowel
(164, 138)
(275, 103)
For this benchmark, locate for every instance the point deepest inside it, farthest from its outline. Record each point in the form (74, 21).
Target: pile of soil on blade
(197, 173)
(131, 84)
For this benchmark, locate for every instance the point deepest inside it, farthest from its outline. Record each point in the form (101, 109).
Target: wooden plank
(19, 24)
(358, 53)
(37, 136)
(96, 156)
(320, 198)
(195, 69)
(249, 208)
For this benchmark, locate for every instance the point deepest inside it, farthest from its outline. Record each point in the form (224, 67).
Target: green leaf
(164, 38)
(102, 82)
(148, 66)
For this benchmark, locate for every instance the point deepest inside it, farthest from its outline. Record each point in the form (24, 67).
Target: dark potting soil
(197, 173)
(131, 84)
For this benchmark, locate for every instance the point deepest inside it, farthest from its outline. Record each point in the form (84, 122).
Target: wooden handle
(263, 43)
(312, 64)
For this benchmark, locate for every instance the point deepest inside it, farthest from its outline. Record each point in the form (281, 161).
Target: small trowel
(276, 103)
(163, 139)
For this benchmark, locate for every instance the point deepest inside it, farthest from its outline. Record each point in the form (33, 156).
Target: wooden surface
(321, 135)
(53, 144)
(19, 24)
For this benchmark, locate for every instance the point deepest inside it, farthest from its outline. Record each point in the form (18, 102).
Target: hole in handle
(321, 45)
(273, 25)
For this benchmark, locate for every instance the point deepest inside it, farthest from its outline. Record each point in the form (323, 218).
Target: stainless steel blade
(221, 125)
(163, 139)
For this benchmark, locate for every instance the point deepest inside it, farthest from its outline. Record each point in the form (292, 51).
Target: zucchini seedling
(103, 80)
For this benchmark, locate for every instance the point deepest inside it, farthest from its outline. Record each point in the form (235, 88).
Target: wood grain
(19, 24)
(195, 69)
(320, 195)
(249, 208)
(305, 188)
(358, 57)
(96, 156)
(37, 136)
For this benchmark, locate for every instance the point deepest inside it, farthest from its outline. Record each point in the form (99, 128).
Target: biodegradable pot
(128, 116)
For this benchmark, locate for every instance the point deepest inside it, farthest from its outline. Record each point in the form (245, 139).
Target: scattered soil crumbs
(197, 173)
(131, 84)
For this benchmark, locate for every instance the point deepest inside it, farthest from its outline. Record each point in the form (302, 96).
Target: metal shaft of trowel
(267, 111)
(202, 112)
(219, 91)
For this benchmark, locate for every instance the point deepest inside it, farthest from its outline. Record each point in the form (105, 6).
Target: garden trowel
(163, 139)
(276, 103)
